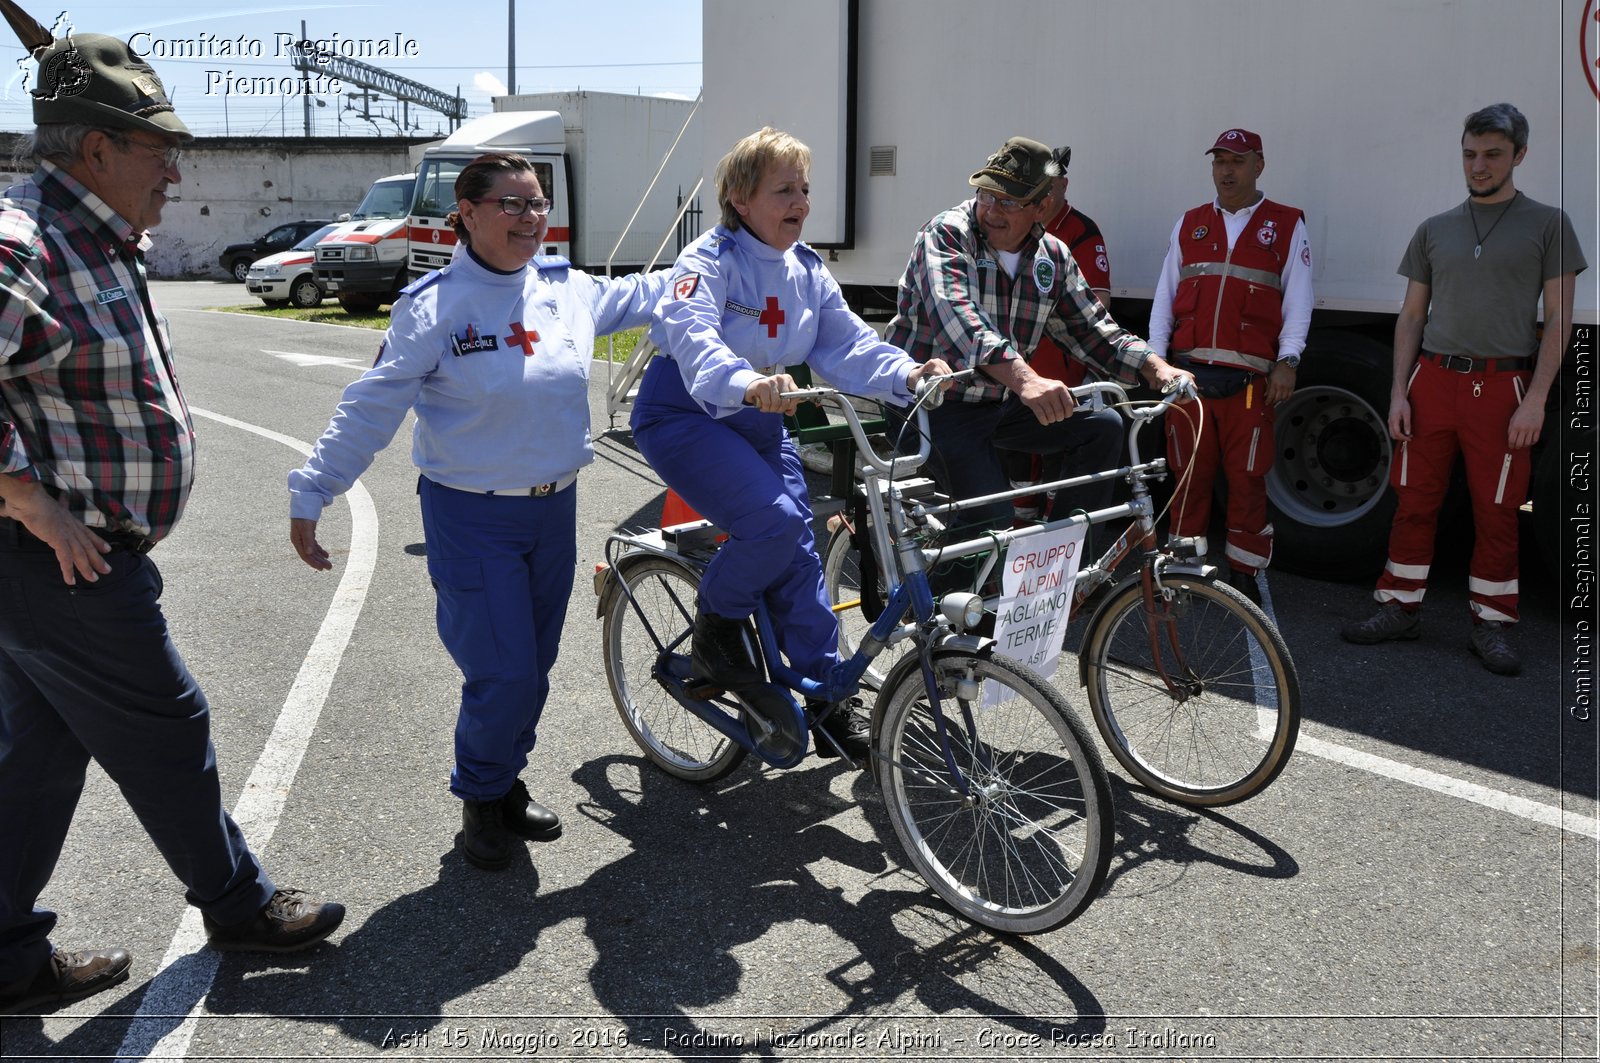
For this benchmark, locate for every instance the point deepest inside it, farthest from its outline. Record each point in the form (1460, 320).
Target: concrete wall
(236, 188)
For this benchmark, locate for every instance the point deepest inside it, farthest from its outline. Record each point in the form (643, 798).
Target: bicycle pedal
(702, 689)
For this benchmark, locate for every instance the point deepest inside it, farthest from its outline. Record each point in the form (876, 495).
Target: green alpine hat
(92, 79)
(1021, 169)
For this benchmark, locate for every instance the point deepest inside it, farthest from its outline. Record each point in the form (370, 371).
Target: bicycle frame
(910, 592)
(879, 487)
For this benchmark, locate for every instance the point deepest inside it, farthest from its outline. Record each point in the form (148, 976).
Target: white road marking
(301, 360)
(165, 1023)
(1488, 797)
(1538, 812)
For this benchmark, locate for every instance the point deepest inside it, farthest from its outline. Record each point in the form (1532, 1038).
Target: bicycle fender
(1196, 569)
(976, 645)
(608, 585)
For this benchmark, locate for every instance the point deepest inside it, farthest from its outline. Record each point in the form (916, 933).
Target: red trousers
(1469, 413)
(1235, 433)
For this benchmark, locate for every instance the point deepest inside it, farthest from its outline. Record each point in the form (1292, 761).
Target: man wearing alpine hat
(985, 284)
(96, 463)
(1233, 304)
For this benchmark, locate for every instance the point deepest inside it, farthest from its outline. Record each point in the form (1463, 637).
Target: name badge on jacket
(472, 341)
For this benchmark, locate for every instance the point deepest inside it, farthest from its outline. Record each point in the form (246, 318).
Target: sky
(645, 46)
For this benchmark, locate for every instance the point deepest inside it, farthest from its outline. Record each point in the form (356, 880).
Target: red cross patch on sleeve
(685, 285)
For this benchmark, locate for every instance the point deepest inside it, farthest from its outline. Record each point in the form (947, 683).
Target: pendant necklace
(1472, 217)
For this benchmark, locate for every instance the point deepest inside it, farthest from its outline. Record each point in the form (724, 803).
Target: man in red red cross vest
(1233, 306)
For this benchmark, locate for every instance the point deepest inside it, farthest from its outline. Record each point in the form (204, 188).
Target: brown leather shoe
(65, 977)
(291, 921)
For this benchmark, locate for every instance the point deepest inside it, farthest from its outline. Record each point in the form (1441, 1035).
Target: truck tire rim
(1332, 460)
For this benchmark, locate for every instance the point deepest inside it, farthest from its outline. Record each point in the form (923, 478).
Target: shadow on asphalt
(710, 870)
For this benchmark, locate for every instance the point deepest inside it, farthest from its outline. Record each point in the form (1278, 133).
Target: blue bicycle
(992, 783)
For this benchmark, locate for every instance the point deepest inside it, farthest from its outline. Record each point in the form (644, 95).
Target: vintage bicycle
(1189, 682)
(1001, 802)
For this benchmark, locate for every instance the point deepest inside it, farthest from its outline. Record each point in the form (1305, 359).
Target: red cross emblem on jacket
(521, 338)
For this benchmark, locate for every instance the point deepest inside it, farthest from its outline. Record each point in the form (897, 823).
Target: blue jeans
(968, 435)
(90, 671)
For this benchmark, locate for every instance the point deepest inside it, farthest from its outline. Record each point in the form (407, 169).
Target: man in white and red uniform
(1233, 306)
(1471, 375)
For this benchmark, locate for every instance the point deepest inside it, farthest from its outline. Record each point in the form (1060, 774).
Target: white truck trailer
(1359, 104)
(596, 154)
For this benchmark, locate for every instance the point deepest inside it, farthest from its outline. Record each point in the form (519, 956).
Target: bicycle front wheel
(661, 610)
(1197, 696)
(1027, 846)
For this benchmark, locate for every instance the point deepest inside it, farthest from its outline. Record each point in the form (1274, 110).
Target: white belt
(539, 491)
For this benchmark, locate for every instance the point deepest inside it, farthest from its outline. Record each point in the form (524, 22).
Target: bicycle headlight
(963, 609)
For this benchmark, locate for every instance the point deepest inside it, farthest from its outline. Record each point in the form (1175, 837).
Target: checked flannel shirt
(89, 402)
(957, 302)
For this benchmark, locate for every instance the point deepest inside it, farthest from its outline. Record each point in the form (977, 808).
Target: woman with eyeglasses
(493, 354)
(747, 301)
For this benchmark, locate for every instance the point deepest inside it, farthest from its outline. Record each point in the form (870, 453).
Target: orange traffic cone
(675, 511)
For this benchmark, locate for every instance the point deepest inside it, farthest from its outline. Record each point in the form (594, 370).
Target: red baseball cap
(1237, 141)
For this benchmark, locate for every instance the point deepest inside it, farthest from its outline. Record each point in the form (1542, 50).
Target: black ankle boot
(719, 654)
(485, 842)
(846, 726)
(526, 817)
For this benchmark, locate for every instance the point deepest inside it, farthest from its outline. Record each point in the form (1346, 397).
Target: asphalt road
(1403, 891)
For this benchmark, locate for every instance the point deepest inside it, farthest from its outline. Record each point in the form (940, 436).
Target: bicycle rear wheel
(1028, 848)
(662, 607)
(1203, 705)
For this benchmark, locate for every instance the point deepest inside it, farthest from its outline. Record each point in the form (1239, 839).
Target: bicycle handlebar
(1180, 391)
(928, 394)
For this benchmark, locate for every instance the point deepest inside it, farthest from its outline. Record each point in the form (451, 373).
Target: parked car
(290, 276)
(236, 258)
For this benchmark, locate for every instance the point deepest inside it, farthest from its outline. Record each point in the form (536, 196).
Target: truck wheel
(359, 302)
(240, 269)
(305, 293)
(1328, 492)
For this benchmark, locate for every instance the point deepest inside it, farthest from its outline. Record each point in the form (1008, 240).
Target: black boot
(719, 654)
(485, 842)
(526, 817)
(845, 725)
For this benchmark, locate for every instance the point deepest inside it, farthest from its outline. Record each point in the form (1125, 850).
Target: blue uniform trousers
(743, 474)
(502, 569)
(90, 671)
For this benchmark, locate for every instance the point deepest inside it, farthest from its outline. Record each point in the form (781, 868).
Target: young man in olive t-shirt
(1471, 375)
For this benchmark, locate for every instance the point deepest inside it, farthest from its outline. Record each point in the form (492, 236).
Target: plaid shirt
(957, 303)
(89, 403)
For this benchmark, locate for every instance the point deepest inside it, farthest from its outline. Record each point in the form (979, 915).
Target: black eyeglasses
(517, 206)
(169, 156)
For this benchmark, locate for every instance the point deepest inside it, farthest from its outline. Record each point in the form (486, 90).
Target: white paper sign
(1036, 589)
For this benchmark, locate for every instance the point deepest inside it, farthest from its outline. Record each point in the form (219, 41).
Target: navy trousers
(502, 569)
(965, 462)
(744, 474)
(90, 671)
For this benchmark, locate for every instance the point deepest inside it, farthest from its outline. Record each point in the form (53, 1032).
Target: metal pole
(305, 83)
(511, 47)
